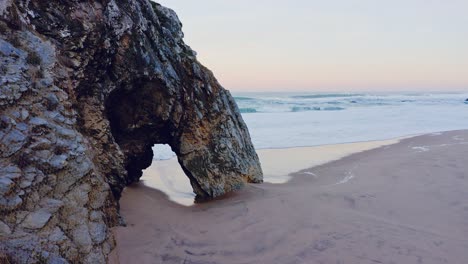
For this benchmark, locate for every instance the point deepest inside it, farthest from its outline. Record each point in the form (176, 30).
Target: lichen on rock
(86, 89)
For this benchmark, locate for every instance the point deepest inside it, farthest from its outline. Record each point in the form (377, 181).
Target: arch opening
(166, 174)
(136, 126)
(213, 147)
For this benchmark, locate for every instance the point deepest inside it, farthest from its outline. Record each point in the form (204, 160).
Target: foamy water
(278, 121)
(285, 120)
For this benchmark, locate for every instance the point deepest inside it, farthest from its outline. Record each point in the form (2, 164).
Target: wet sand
(278, 165)
(403, 203)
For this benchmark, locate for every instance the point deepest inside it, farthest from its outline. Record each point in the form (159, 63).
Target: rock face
(86, 89)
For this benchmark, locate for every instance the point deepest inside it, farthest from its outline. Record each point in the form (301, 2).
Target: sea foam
(283, 120)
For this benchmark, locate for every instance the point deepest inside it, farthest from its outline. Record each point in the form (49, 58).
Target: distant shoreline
(278, 165)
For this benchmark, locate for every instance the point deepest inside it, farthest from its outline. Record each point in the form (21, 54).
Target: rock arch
(212, 145)
(87, 88)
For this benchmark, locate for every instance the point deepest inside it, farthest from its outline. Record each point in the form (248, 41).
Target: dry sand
(403, 203)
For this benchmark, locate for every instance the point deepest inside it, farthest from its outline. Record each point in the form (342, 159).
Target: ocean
(284, 120)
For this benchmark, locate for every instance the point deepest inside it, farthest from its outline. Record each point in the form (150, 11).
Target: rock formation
(86, 89)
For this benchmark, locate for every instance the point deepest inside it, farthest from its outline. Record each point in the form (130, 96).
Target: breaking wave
(333, 95)
(250, 103)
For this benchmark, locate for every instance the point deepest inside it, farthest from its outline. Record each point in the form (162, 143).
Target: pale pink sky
(340, 45)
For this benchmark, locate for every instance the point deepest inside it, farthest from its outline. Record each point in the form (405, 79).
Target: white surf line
(427, 148)
(421, 148)
(458, 138)
(310, 173)
(349, 176)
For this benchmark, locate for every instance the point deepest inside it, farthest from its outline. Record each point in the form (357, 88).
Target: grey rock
(4, 229)
(95, 257)
(58, 260)
(10, 172)
(12, 142)
(24, 114)
(99, 198)
(43, 155)
(25, 184)
(95, 216)
(86, 89)
(10, 203)
(98, 232)
(82, 237)
(37, 220)
(52, 101)
(22, 127)
(51, 205)
(5, 185)
(7, 49)
(58, 161)
(38, 121)
(57, 236)
(66, 133)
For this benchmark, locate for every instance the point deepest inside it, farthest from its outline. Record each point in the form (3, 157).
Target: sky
(332, 45)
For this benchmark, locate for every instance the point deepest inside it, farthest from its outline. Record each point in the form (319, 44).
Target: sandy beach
(278, 166)
(399, 203)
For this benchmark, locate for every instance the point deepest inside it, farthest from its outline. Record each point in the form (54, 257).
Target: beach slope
(403, 203)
